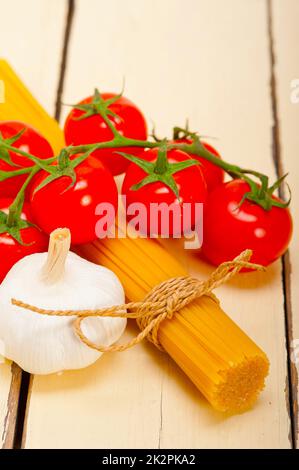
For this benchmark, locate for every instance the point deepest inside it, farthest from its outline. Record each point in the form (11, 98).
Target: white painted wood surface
(31, 39)
(209, 61)
(286, 37)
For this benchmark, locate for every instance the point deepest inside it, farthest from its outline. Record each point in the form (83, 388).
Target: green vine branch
(12, 222)
(63, 164)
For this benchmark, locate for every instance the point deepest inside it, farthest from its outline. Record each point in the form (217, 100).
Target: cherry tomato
(55, 206)
(31, 142)
(11, 251)
(129, 122)
(213, 174)
(191, 186)
(229, 229)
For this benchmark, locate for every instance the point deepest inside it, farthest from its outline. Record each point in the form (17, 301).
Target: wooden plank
(31, 39)
(285, 33)
(203, 67)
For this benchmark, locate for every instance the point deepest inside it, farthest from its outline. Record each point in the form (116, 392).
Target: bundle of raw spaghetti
(18, 104)
(220, 359)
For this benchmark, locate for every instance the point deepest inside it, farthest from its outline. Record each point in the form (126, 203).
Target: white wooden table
(228, 67)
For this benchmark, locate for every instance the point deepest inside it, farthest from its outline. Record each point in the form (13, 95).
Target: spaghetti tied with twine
(161, 303)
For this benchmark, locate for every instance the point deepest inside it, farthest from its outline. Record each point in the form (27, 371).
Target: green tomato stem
(5, 175)
(111, 126)
(36, 160)
(16, 207)
(162, 164)
(259, 192)
(117, 142)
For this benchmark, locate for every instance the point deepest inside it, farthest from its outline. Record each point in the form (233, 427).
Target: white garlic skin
(42, 344)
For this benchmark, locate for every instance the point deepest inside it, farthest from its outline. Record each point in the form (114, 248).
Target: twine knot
(161, 303)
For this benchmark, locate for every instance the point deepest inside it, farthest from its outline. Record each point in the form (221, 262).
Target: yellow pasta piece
(18, 104)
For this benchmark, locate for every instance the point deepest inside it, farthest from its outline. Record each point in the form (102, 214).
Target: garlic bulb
(42, 344)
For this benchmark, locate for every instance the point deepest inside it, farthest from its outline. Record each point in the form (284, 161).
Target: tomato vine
(260, 191)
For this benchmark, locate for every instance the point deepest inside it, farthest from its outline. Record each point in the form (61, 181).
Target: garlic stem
(59, 246)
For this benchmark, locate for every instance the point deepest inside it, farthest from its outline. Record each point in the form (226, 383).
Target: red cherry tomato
(191, 185)
(229, 229)
(31, 142)
(213, 174)
(130, 123)
(55, 206)
(35, 241)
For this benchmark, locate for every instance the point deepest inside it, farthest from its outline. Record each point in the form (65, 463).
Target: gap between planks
(13, 401)
(64, 55)
(292, 379)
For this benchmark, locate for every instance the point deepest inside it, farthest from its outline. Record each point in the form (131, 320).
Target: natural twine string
(161, 303)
